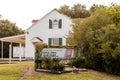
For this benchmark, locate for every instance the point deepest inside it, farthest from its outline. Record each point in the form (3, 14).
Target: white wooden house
(50, 29)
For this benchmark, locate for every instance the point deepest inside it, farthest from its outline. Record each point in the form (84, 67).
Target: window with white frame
(55, 41)
(55, 24)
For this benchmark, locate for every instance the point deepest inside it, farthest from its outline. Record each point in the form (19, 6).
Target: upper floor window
(55, 24)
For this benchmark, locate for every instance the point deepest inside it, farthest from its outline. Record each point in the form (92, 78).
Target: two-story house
(51, 29)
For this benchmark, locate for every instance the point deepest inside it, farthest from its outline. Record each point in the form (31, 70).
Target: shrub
(55, 60)
(53, 64)
(38, 49)
(46, 63)
(61, 67)
(55, 67)
(78, 62)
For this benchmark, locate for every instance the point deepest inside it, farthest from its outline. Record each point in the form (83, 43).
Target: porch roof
(15, 39)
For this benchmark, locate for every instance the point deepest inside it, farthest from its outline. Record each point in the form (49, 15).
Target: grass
(13, 71)
(17, 70)
(90, 75)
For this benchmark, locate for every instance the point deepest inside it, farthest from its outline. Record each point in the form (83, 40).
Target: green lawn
(17, 70)
(13, 71)
(90, 75)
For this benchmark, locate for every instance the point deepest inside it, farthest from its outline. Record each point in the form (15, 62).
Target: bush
(53, 64)
(61, 67)
(38, 49)
(78, 62)
(55, 67)
(55, 60)
(46, 63)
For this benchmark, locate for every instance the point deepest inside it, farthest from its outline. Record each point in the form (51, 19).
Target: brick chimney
(34, 21)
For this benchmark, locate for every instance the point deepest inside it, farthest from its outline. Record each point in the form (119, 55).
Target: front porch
(19, 39)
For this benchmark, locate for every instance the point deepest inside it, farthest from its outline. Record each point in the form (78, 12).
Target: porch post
(20, 45)
(2, 49)
(23, 51)
(10, 52)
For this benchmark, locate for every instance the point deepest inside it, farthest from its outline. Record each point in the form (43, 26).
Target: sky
(22, 12)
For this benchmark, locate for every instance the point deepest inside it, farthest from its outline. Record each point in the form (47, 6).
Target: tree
(76, 11)
(114, 13)
(79, 11)
(82, 31)
(8, 28)
(65, 10)
(94, 7)
(98, 39)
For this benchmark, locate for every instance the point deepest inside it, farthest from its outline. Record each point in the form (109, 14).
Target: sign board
(58, 52)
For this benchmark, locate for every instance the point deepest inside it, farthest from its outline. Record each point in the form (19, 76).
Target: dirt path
(28, 72)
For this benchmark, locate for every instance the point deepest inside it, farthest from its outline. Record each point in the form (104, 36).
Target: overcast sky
(22, 12)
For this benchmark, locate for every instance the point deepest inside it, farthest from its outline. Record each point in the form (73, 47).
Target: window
(55, 41)
(55, 24)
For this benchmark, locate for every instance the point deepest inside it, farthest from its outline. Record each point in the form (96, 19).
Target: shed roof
(15, 39)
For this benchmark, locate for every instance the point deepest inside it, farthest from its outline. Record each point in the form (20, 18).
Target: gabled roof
(46, 15)
(36, 39)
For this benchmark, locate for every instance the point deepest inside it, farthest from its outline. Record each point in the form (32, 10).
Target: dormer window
(55, 24)
(55, 21)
